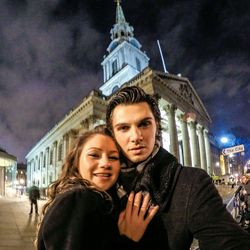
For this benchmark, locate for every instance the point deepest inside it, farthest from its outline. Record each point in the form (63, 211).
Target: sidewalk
(17, 227)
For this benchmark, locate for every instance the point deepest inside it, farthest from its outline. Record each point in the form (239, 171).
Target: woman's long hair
(70, 176)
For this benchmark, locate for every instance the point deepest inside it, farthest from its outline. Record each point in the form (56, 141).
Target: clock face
(115, 89)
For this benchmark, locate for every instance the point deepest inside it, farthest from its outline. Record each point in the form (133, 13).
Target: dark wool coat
(190, 207)
(81, 219)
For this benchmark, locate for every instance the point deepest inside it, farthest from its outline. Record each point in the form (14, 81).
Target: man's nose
(136, 135)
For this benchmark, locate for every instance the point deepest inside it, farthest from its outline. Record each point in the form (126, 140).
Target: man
(245, 180)
(34, 195)
(190, 206)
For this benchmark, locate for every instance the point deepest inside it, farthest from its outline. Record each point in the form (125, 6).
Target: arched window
(114, 67)
(138, 64)
(44, 160)
(51, 156)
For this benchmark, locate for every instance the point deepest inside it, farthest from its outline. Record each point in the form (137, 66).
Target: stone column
(208, 152)
(71, 138)
(91, 121)
(32, 171)
(2, 181)
(55, 159)
(185, 141)
(104, 73)
(47, 167)
(41, 169)
(194, 145)
(65, 146)
(202, 148)
(108, 70)
(173, 138)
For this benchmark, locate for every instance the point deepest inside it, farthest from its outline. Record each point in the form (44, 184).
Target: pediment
(183, 94)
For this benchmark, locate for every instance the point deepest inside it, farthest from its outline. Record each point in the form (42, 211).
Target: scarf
(157, 175)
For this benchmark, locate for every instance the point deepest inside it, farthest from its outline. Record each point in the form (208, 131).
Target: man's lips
(137, 150)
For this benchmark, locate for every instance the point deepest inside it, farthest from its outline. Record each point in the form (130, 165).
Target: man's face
(134, 128)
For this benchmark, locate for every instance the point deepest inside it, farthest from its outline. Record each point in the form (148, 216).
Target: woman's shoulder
(89, 198)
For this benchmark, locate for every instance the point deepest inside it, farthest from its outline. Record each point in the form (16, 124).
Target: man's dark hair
(131, 95)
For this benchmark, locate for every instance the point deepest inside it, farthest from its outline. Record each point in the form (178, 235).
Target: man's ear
(158, 132)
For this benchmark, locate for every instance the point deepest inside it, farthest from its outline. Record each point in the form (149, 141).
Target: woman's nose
(105, 162)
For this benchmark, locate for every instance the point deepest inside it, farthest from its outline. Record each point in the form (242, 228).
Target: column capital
(193, 124)
(200, 129)
(170, 108)
(72, 132)
(205, 132)
(182, 117)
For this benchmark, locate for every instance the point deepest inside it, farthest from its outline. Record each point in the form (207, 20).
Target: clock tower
(125, 58)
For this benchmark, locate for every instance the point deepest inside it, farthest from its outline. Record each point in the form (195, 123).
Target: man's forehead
(136, 112)
(141, 105)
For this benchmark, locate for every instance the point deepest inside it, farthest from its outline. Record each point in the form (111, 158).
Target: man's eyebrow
(147, 118)
(127, 123)
(121, 124)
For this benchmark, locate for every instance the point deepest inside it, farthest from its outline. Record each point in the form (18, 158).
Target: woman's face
(99, 161)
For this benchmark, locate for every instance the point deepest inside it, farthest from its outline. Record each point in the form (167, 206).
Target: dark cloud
(51, 51)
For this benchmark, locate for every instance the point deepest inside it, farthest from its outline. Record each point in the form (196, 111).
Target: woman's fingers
(137, 203)
(121, 217)
(145, 204)
(151, 213)
(134, 220)
(129, 205)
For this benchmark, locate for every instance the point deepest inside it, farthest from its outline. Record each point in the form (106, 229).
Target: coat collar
(158, 177)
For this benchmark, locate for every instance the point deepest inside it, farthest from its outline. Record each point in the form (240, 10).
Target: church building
(185, 121)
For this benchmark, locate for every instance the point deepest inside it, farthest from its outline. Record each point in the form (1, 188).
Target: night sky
(51, 50)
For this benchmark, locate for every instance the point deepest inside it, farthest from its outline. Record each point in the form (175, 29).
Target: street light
(224, 139)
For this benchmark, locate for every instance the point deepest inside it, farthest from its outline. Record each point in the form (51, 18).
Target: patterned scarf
(156, 175)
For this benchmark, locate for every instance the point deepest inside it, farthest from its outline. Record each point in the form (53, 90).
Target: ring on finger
(136, 204)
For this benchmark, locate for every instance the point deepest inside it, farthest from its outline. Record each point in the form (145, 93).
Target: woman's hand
(133, 221)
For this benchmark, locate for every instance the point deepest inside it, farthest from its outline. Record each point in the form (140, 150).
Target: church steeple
(125, 59)
(121, 30)
(120, 18)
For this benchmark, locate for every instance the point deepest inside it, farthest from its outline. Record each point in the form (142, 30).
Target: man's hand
(133, 221)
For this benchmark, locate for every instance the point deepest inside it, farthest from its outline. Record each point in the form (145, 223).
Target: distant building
(8, 165)
(218, 167)
(21, 178)
(185, 121)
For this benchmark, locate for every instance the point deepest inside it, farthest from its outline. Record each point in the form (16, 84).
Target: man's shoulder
(192, 171)
(164, 157)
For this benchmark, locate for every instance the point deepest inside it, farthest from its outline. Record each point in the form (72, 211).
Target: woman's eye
(94, 155)
(114, 158)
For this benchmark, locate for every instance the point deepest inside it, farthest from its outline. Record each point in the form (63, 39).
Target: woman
(80, 213)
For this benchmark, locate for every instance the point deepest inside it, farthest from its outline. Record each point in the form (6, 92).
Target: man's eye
(123, 128)
(145, 124)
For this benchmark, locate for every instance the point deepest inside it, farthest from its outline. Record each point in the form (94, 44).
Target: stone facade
(8, 167)
(185, 121)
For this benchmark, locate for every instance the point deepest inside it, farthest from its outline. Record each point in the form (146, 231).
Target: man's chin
(137, 158)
